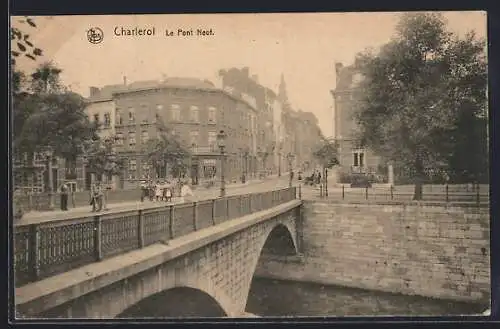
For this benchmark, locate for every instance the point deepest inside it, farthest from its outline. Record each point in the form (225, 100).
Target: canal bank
(269, 297)
(434, 251)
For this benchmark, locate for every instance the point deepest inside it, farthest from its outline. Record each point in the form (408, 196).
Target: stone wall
(413, 249)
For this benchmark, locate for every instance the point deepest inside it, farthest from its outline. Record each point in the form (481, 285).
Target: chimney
(255, 78)
(94, 91)
(124, 80)
(338, 67)
(245, 71)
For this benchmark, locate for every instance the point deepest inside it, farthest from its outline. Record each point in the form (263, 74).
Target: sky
(302, 47)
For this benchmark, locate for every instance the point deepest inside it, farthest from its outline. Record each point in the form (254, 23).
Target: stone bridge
(206, 272)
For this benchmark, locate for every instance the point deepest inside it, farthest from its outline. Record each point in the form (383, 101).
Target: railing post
(227, 208)
(478, 197)
(213, 212)
(30, 201)
(240, 201)
(300, 192)
(366, 193)
(195, 216)
(392, 192)
(446, 187)
(343, 192)
(140, 229)
(171, 222)
(34, 254)
(98, 237)
(250, 203)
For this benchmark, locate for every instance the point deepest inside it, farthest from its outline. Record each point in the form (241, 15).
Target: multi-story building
(300, 134)
(193, 110)
(241, 84)
(353, 156)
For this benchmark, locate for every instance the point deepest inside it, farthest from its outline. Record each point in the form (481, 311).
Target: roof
(345, 78)
(188, 82)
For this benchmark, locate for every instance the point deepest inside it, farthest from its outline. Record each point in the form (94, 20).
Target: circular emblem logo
(95, 35)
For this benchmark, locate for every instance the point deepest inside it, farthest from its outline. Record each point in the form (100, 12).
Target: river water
(285, 298)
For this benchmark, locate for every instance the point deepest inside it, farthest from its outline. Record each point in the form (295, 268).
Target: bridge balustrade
(49, 248)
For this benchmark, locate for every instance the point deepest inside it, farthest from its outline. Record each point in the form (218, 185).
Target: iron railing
(445, 193)
(45, 249)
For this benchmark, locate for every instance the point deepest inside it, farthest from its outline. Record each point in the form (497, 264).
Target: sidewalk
(199, 194)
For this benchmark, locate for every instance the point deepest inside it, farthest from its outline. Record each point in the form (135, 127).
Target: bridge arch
(176, 302)
(281, 240)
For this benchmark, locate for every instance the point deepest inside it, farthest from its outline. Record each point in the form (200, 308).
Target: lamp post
(221, 137)
(51, 178)
(280, 149)
(290, 157)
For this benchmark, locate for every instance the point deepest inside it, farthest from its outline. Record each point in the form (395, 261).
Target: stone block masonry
(433, 251)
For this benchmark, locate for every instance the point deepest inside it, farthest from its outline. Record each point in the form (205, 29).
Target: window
(176, 112)
(144, 137)
(107, 119)
(119, 120)
(132, 167)
(119, 139)
(212, 140)
(96, 118)
(145, 168)
(131, 138)
(212, 115)
(194, 138)
(131, 114)
(194, 113)
(359, 160)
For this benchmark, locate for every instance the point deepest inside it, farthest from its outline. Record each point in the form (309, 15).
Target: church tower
(282, 94)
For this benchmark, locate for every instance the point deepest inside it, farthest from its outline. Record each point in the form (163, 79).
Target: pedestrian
(158, 192)
(93, 197)
(168, 193)
(64, 197)
(151, 190)
(144, 190)
(100, 196)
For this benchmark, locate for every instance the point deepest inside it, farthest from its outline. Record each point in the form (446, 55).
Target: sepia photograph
(180, 166)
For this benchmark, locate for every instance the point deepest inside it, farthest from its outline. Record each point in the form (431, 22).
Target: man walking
(64, 197)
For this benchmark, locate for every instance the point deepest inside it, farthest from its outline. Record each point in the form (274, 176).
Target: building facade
(240, 84)
(194, 111)
(353, 157)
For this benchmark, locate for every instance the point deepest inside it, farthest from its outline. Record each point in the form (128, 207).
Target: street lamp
(290, 157)
(280, 148)
(50, 154)
(221, 142)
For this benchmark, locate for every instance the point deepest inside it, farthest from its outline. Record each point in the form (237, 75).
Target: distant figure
(64, 197)
(167, 192)
(186, 191)
(158, 191)
(96, 197)
(144, 190)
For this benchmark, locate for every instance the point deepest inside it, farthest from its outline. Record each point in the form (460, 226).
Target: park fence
(477, 195)
(48, 248)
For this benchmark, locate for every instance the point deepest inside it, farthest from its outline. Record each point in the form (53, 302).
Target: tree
(167, 151)
(46, 79)
(21, 43)
(327, 153)
(102, 158)
(49, 117)
(414, 92)
(54, 121)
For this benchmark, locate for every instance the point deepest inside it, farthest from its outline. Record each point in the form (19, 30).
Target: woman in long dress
(158, 191)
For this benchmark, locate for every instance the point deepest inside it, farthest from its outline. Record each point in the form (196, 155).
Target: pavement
(269, 183)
